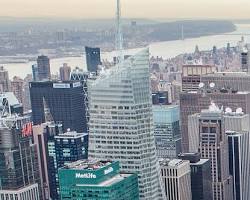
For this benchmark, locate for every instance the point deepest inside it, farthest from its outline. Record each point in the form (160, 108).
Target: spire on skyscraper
(119, 35)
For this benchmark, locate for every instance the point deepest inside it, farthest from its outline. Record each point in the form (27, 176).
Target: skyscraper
(176, 179)
(65, 72)
(167, 130)
(121, 122)
(17, 87)
(194, 101)
(43, 135)
(93, 58)
(97, 179)
(213, 145)
(201, 178)
(43, 68)
(65, 148)
(4, 80)
(18, 157)
(65, 100)
(245, 60)
(239, 163)
(191, 75)
(237, 130)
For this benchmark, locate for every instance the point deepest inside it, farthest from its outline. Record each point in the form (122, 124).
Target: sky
(130, 8)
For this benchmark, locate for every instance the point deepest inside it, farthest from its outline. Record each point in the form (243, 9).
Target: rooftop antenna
(119, 36)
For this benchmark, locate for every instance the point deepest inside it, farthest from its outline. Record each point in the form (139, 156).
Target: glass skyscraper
(167, 130)
(121, 122)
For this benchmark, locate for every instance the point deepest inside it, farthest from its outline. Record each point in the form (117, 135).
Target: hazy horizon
(156, 9)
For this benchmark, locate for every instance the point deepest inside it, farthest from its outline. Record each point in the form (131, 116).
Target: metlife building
(96, 179)
(65, 101)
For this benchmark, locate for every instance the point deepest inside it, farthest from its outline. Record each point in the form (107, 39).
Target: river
(166, 50)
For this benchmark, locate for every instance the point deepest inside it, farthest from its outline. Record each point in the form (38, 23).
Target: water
(164, 49)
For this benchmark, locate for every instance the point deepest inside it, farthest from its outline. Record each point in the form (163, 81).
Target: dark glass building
(43, 68)
(160, 98)
(93, 58)
(65, 100)
(44, 136)
(65, 148)
(201, 178)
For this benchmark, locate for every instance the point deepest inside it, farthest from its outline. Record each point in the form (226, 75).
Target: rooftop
(71, 135)
(93, 164)
(173, 163)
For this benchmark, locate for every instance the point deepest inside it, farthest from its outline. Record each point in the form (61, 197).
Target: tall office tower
(26, 93)
(201, 178)
(17, 87)
(167, 130)
(239, 163)
(121, 121)
(35, 73)
(19, 166)
(213, 145)
(4, 80)
(93, 58)
(65, 72)
(43, 134)
(65, 100)
(193, 102)
(43, 68)
(191, 75)
(238, 129)
(245, 60)
(65, 148)
(97, 179)
(176, 179)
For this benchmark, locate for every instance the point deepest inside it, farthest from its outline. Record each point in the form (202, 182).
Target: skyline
(130, 9)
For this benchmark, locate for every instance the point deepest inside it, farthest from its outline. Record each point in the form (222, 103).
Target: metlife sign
(85, 175)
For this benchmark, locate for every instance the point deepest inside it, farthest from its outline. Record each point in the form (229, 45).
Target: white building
(213, 145)
(176, 177)
(30, 192)
(121, 122)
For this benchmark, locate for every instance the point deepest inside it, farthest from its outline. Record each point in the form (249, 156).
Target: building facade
(201, 178)
(194, 102)
(121, 122)
(167, 130)
(19, 175)
(99, 180)
(93, 58)
(17, 87)
(176, 179)
(43, 135)
(213, 145)
(4, 80)
(65, 71)
(65, 100)
(43, 68)
(191, 75)
(239, 163)
(65, 148)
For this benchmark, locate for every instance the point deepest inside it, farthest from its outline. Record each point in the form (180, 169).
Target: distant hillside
(173, 30)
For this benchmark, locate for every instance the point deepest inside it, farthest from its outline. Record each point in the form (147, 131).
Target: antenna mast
(119, 36)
